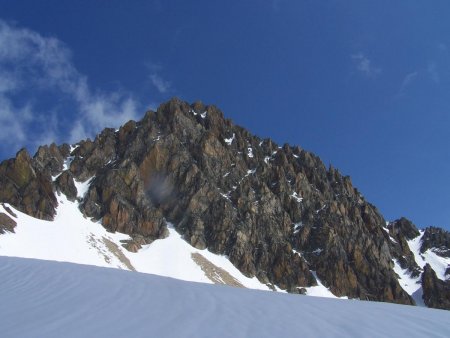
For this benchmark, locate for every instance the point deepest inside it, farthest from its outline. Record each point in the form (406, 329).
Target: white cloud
(154, 70)
(78, 131)
(162, 85)
(29, 63)
(364, 65)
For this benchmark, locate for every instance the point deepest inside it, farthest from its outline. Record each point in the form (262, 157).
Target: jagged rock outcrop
(436, 239)
(65, 184)
(403, 228)
(400, 232)
(49, 160)
(277, 212)
(26, 186)
(436, 293)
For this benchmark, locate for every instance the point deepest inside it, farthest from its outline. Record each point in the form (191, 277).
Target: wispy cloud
(12, 121)
(365, 66)
(156, 79)
(160, 84)
(407, 81)
(31, 63)
(433, 72)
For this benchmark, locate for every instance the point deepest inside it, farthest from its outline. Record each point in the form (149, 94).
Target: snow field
(53, 299)
(73, 238)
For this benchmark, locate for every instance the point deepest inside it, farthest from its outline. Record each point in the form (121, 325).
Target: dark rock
(436, 239)
(401, 231)
(9, 211)
(436, 293)
(64, 183)
(301, 291)
(48, 159)
(136, 243)
(403, 227)
(7, 224)
(64, 150)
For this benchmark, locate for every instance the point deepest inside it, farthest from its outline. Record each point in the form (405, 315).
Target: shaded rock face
(277, 212)
(436, 239)
(65, 184)
(436, 293)
(7, 224)
(401, 231)
(403, 228)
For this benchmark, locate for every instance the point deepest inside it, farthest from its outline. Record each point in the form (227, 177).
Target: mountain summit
(277, 213)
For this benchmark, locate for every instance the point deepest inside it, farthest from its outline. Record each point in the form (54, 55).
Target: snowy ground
(52, 299)
(73, 238)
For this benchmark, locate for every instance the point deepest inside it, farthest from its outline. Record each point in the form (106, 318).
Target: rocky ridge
(277, 212)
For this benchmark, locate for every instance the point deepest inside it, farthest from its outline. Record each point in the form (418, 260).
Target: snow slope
(52, 299)
(73, 238)
(438, 264)
(412, 285)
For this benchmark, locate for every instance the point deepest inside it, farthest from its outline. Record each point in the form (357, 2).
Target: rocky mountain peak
(275, 211)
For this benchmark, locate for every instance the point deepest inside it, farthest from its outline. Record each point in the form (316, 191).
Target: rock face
(277, 212)
(436, 293)
(436, 239)
(7, 224)
(401, 231)
(26, 183)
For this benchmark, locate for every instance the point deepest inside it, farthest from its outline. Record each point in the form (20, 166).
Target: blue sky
(363, 84)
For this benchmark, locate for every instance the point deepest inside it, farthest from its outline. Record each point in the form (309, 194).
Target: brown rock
(26, 187)
(436, 293)
(64, 183)
(7, 224)
(49, 159)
